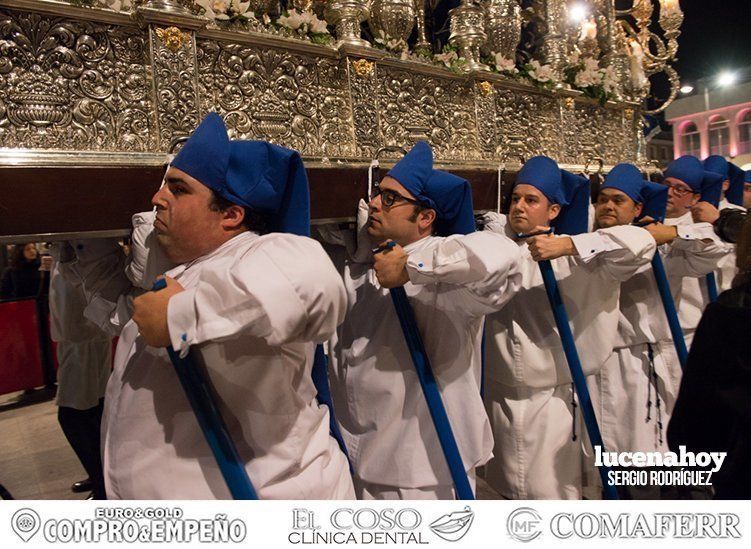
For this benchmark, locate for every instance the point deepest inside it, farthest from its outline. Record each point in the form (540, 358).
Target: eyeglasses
(389, 197)
(677, 190)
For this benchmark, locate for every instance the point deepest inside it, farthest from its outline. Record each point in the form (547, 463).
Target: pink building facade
(715, 122)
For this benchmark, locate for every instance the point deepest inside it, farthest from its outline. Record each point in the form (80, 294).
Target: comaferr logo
(453, 526)
(647, 526)
(524, 524)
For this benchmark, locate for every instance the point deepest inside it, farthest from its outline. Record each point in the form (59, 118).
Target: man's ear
(695, 198)
(638, 209)
(553, 211)
(233, 217)
(426, 218)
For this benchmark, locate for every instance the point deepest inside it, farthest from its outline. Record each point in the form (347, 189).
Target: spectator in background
(713, 411)
(22, 277)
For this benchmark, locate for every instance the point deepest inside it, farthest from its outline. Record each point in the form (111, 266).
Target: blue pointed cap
(688, 169)
(452, 197)
(655, 201)
(261, 176)
(747, 176)
(449, 195)
(717, 164)
(574, 216)
(543, 174)
(628, 179)
(571, 192)
(737, 178)
(711, 188)
(414, 170)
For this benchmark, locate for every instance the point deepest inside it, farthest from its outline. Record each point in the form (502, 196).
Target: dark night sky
(716, 35)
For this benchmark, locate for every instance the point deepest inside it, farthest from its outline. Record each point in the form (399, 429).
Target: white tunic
(379, 403)
(84, 352)
(252, 312)
(529, 390)
(633, 407)
(690, 294)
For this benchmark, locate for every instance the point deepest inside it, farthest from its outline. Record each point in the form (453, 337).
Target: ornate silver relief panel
(175, 85)
(592, 131)
(527, 124)
(73, 85)
(284, 97)
(416, 107)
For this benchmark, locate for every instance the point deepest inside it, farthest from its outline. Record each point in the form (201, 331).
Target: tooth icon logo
(25, 523)
(454, 526)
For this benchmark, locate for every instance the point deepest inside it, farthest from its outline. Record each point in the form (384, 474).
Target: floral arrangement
(394, 45)
(225, 10)
(586, 75)
(293, 23)
(305, 23)
(542, 76)
(449, 58)
(504, 66)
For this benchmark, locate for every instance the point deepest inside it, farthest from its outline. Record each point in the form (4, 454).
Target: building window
(691, 140)
(744, 133)
(719, 136)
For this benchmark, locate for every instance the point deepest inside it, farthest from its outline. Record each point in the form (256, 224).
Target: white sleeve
(284, 289)
(100, 266)
(695, 252)
(148, 260)
(484, 263)
(620, 251)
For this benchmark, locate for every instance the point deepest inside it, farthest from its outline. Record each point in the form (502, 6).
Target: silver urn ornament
(346, 16)
(393, 18)
(503, 25)
(468, 34)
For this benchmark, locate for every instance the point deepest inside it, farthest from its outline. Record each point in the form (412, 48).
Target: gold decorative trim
(486, 88)
(173, 38)
(569, 102)
(363, 67)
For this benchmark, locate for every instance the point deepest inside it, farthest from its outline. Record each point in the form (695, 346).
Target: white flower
(502, 64)
(586, 78)
(574, 59)
(541, 73)
(293, 20)
(316, 25)
(591, 64)
(208, 12)
(447, 58)
(266, 19)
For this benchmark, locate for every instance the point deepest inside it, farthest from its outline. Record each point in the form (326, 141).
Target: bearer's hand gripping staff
(429, 387)
(198, 390)
(574, 364)
(663, 286)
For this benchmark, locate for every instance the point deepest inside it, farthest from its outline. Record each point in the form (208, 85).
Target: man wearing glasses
(453, 276)
(688, 183)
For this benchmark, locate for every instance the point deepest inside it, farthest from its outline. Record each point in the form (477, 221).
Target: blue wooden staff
(663, 287)
(198, 391)
(575, 367)
(429, 388)
(712, 287)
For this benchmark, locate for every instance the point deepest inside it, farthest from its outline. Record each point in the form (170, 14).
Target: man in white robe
(452, 276)
(732, 198)
(248, 307)
(636, 390)
(540, 446)
(689, 186)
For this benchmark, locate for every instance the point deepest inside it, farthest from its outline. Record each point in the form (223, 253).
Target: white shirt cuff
(181, 321)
